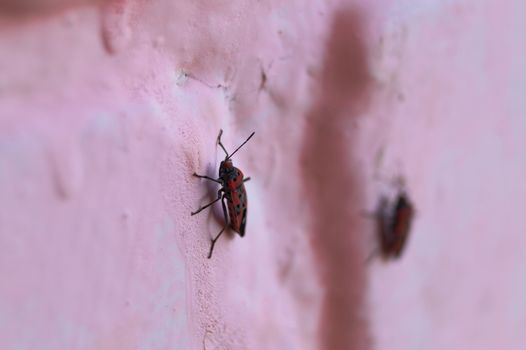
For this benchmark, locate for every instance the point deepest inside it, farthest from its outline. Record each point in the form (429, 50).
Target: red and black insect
(233, 190)
(394, 225)
(393, 222)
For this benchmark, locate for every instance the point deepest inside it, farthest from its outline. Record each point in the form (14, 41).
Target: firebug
(393, 221)
(394, 225)
(233, 191)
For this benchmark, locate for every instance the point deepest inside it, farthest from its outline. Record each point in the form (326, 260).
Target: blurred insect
(393, 225)
(233, 190)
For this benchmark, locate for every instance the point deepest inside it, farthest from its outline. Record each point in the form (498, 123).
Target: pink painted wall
(108, 107)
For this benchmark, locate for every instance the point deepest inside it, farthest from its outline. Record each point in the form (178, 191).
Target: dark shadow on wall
(21, 8)
(333, 183)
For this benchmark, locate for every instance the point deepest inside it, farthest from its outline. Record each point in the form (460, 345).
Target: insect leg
(222, 230)
(246, 179)
(209, 204)
(207, 177)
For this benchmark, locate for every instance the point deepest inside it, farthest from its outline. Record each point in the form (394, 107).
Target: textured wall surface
(108, 107)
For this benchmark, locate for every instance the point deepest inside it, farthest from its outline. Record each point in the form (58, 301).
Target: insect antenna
(221, 144)
(237, 149)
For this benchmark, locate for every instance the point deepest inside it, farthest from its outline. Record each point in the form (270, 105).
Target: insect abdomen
(237, 209)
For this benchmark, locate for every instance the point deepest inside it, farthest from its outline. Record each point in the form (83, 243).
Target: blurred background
(108, 107)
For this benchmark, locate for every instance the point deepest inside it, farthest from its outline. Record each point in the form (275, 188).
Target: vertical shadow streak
(332, 183)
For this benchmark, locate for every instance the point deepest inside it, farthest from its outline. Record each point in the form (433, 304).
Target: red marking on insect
(393, 222)
(233, 190)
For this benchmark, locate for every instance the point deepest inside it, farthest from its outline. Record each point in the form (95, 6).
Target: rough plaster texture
(108, 107)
